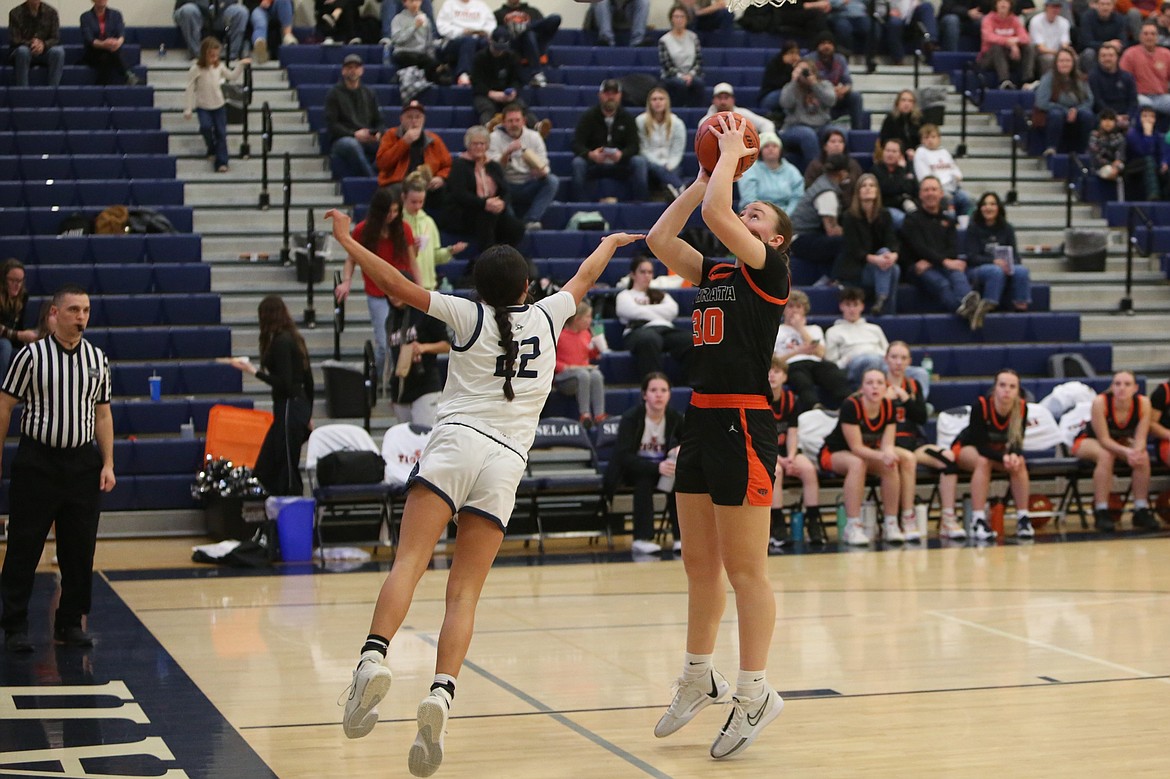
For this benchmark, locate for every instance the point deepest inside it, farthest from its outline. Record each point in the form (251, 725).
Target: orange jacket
(394, 156)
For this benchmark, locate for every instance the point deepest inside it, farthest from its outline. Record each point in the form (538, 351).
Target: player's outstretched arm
(663, 240)
(592, 266)
(717, 211)
(383, 274)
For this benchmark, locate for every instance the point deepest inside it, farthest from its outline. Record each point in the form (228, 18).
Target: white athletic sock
(1021, 515)
(750, 684)
(695, 666)
(444, 683)
(1141, 503)
(1102, 506)
(978, 514)
(890, 518)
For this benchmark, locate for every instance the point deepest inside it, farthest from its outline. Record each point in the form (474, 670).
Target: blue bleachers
(77, 97)
(47, 220)
(84, 142)
(187, 279)
(71, 76)
(50, 119)
(97, 193)
(149, 310)
(69, 250)
(142, 417)
(86, 167)
(178, 378)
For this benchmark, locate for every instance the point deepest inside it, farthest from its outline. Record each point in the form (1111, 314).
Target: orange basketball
(707, 143)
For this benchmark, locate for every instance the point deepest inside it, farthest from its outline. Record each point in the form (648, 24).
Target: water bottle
(445, 285)
(385, 53)
(162, 51)
(928, 365)
(798, 527)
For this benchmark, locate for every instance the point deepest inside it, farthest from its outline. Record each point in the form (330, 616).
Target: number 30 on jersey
(707, 326)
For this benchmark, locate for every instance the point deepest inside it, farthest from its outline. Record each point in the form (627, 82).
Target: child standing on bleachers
(205, 97)
(931, 159)
(1107, 147)
(576, 373)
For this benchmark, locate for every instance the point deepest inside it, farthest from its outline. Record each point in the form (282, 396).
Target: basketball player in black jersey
(727, 459)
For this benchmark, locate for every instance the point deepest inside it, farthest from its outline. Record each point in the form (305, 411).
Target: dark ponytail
(501, 277)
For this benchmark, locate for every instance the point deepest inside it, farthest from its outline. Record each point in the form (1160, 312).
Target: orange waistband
(702, 400)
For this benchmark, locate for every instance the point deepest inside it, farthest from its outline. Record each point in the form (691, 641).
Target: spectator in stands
(857, 345)
(709, 15)
(1150, 65)
(284, 366)
(870, 256)
(819, 237)
(959, 17)
(392, 8)
(204, 95)
(521, 152)
(1067, 100)
(901, 14)
(777, 73)
(1138, 13)
(465, 25)
(412, 37)
(411, 147)
(495, 77)
(648, 316)
(662, 140)
(1005, 45)
(993, 259)
(994, 441)
(337, 20)
(1116, 434)
(605, 144)
(790, 461)
(909, 400)
(806, 101)
(1147, 159)
(930, 253)
(903, 122)
(680, 59)
(479, 202)
(897, 182)
(577, 372)
(833, 142)
(637, 14)
(13, 310)
(414, 342)
(1050, 32)
(647, 443)
(772, 178)
(1160, 420)
(1101, 25)
(385, 233)
(1113, 88)
(354, 121)
(723, 99)
(532, 32)
(34, 34)
(850, 22)
(1107, 147)
(802, 347)
(429, 250)
(102, 35)
(229, 17)
(261, 16)
(1162, 19)
(931, 159)
(792, 20)
(862, 444)
(46, 320)
(833, 68)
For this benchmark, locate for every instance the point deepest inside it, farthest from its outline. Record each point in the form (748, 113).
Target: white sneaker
(950, 527)
(910, 529)
(645, 547)
(260, 51)
(747, 719)
(289, 40)
(371, 682)
(691, 697)
(1024, 528)
(855, 534)
(426, 753)
(891, 533)
(981, 530)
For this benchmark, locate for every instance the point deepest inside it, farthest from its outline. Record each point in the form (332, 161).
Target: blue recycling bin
(294, 528)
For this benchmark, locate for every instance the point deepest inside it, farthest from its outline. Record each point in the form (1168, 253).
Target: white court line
(1049, 605)
(1049, 647)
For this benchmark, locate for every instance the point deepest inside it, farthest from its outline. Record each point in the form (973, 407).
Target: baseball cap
(501, 38)
(611, 85)
(415, 105)
(835, 163)
(352, 59)
(723, 88)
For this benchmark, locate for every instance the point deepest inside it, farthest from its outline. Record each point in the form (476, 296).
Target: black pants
(278, 464)
(804, 376)
(645, 483)
(51, 485)
(107, 65)
(648, 343)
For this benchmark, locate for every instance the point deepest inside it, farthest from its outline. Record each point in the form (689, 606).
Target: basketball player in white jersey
(499, 376)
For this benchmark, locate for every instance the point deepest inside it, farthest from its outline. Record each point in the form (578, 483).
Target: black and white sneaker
(747, 719)
(1024, 528)
(981, 531)
(691, 697)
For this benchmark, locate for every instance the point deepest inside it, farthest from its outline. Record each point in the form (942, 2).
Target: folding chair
(567, 501)
(357, 512)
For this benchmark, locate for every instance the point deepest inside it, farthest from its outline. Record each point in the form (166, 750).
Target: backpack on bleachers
(147, 220)
(111, 221)
(75, 224)
(813, 427)
(950, 423)
(1074, 421)
(1067, 395)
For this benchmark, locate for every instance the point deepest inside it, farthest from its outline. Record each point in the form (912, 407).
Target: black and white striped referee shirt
(60, 389)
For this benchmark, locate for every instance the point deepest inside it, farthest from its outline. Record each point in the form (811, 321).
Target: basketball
(707, 143)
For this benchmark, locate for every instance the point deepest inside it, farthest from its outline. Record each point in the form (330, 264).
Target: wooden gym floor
(1046, 659)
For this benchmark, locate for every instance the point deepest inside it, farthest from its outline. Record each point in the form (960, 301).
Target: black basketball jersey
(784, 412)
(1160, 403)
(907, 414)
(1121, 431)
(733, 326)
(872, 428)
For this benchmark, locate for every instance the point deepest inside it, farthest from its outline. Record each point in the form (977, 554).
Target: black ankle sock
(448, 686)
(375, 643)
(812, 513)
(777, 517)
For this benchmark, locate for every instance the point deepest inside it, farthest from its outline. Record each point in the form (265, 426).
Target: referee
(59, 472)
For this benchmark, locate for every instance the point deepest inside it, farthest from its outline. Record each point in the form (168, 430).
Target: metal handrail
(310, 318)
(338, 317)
(265, 148)
(1021, 122)
(245, 146)
(286, 184)
(976, 94)
(1125, 306)
(1074, 176)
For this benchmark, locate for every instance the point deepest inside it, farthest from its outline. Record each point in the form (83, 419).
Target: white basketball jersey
(475, 369)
